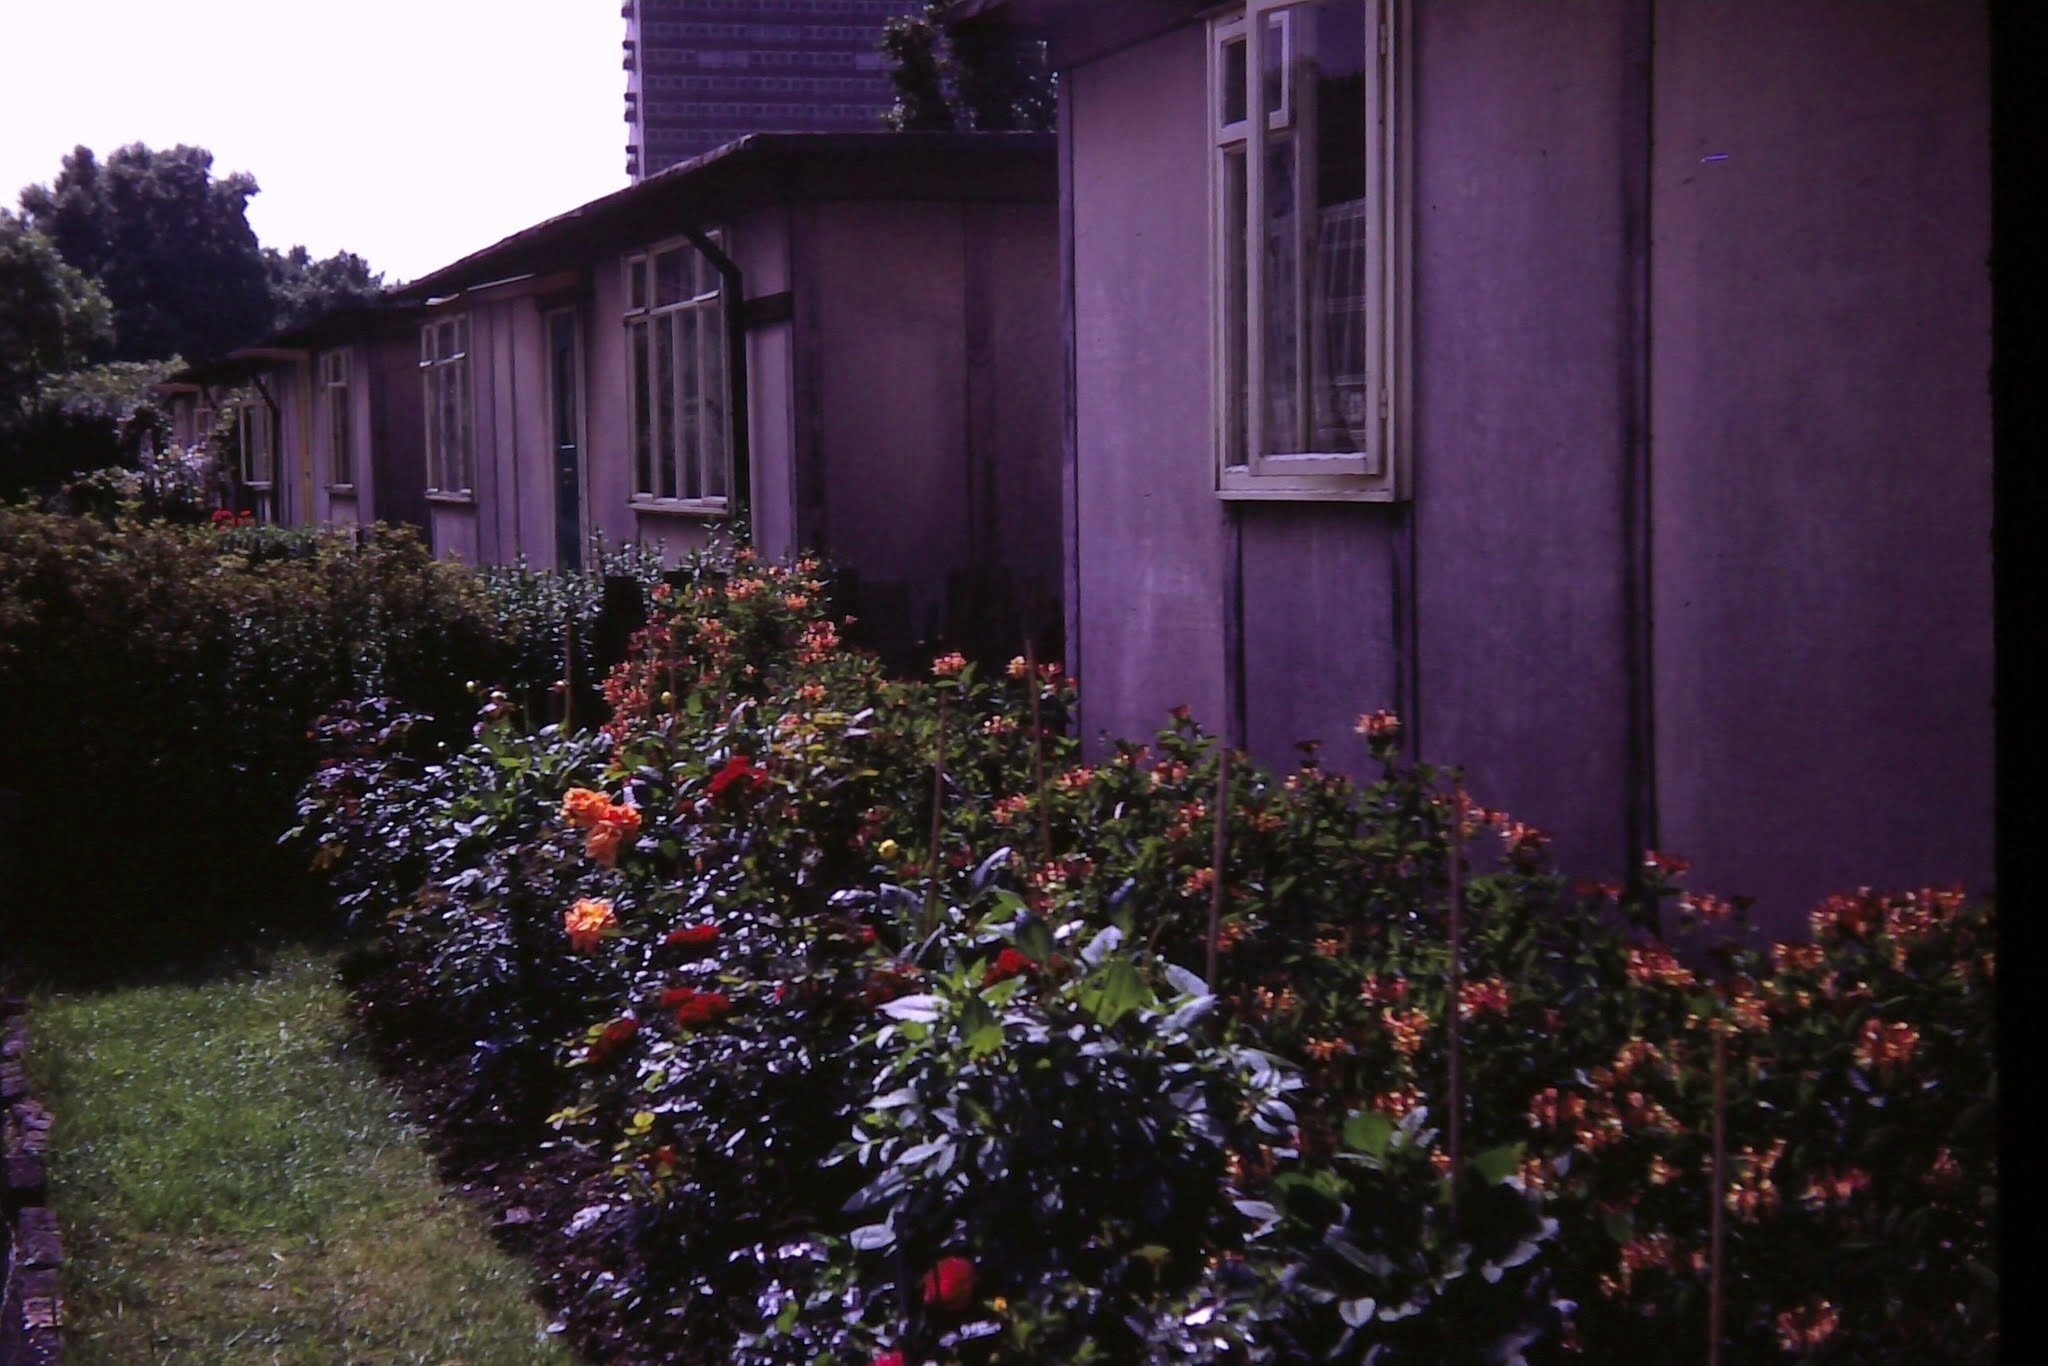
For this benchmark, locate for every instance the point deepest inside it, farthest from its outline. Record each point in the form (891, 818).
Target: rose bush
(892, 1038)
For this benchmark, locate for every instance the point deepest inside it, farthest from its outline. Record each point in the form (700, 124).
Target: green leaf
(1496, 1165)
(979, 1028)
(1116, 992)
(1034, 940)
(1368, 1132)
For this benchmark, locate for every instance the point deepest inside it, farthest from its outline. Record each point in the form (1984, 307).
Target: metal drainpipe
(735, 370)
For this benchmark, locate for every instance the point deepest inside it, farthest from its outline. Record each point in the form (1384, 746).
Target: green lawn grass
(235, 1185)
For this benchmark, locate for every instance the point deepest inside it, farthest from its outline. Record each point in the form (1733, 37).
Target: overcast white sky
(411, 132)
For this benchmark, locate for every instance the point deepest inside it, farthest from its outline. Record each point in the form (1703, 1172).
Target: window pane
(1236, 302)
(433, 429)
(643, 414)
(665, 448)
(636, 284)
(466, 447)
(689, 406)
(1276, 64)
(562, 345)
(712, 348)
(451, 432)
(1282, 284)
(1332, 62)
(1231, 73)
(672, 283)
(341, 453)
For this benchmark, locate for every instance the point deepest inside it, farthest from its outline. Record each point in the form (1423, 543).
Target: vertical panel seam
(1640, 821)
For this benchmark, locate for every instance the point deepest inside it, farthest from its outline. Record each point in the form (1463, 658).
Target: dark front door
(567, 428)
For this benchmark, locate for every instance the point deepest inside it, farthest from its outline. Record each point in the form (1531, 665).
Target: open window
(1310, 256)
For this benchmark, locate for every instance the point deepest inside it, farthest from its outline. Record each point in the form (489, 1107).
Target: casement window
(258, 431)
(677, 402)
(335, 414)
(1310, 258)
(451, 433)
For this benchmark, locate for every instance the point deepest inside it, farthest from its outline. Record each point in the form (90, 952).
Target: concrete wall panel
(1320, 642)
(1822, 477)
(890, 371)
(1148, 523)
(1522, 127)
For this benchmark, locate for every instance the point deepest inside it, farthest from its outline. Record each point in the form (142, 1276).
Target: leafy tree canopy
(301, 288)
(169, 242)
(981, 76)
(52, 316)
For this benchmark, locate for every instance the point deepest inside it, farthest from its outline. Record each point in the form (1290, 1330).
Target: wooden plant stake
(931, 896)
(1456, 1126)
(1714, 1268)
(568, 671)
(1038, 756)
(1218, 855)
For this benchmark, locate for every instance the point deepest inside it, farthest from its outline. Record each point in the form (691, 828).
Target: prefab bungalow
(1601, 386)
(326, 419)
(850, 340)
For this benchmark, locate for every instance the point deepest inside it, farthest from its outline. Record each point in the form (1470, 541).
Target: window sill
(341, 490)
(464, 499)
(707, 510)
(1239, 486)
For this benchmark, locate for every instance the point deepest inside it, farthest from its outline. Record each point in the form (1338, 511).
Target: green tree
(53, 318)
(169, 243)
(981, 75)
(301, 288)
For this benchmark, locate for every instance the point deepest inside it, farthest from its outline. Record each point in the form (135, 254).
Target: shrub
(887, 1021)
(164, 677)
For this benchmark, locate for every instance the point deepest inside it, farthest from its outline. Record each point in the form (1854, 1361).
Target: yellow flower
(888, 849)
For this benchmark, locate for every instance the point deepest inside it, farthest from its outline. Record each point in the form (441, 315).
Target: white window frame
(338, 416)
(678, 456)
(445, 391)
(1381, 473)
(256, 427)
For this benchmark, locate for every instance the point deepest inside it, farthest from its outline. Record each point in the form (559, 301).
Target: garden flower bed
(856, 1021)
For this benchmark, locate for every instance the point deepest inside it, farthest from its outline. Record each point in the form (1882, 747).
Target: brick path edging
(31, 1308)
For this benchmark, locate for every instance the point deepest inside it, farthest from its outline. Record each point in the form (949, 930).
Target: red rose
(696, 1008)
(950, 1285)
(691, 936)
(1009, 963)
(737, 779)
(615, 1035)
(890, 1359)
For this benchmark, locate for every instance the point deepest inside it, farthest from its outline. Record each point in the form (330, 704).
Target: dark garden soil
(546, 1200)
